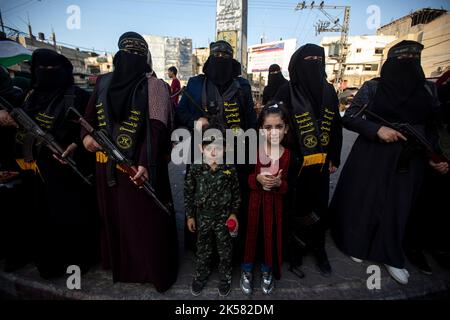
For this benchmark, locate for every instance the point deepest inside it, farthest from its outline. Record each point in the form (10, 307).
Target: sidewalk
(348, 281)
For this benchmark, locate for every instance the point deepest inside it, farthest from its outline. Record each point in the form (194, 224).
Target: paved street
(347, 282)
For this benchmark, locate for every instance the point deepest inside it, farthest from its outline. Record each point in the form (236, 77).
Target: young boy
(212, 198)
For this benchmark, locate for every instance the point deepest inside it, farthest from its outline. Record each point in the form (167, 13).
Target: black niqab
(401, 93)
(221, 71)
(275, 81)
(129, 69)
(308, 76)
(48, 82)
(59, 75)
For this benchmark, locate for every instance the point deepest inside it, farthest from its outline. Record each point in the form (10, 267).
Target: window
(358, 50)
(378, 50)
(370, 67)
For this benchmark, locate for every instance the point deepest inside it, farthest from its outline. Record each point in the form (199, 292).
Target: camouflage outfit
(211, 196)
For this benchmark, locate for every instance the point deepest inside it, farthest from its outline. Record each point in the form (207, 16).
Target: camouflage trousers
(212, 227)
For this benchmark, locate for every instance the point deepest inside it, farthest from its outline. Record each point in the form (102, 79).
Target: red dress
(269, 206)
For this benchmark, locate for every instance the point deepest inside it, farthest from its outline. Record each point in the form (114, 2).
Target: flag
(12, 52)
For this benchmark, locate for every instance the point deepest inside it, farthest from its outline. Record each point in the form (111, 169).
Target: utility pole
(54, 38)
(332, 25)
(1, 22)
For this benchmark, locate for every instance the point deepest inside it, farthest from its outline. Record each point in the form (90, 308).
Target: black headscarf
(308, 76)
(401, 93)
(130, 67)
(48, 82)
(275, 81)
(220, 70)
(49, 79)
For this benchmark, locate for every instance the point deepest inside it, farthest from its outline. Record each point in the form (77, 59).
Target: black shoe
(322, 262)
(224, 288)
(196, 287)
(418, 259)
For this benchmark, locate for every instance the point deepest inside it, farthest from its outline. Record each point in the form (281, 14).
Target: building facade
(97, 64)
(429, 27)
(365, 55)
(198, 60)
(231, 26)
(76, 57)
(170, 51)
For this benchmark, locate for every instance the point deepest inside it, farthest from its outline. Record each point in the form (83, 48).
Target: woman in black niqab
(275, 81)
(130, 67)
(380, 181)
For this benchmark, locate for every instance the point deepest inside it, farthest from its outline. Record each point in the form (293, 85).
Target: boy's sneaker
(224, 288)
(399, 275)
(267, 282)
(246, 282)
(196, 287)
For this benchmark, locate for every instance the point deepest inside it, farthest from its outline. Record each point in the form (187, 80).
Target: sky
(102, 22)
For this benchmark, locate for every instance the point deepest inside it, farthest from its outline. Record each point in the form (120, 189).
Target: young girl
(268, 184)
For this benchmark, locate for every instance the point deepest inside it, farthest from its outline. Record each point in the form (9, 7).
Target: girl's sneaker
(267, 284)
(246, 282)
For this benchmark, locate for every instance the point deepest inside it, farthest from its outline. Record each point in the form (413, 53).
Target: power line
(304, 25)
(11, 23)
(19, 5)
(312, 26)
(197, 3)
(73, 46)
(333, 24)
(296, 26)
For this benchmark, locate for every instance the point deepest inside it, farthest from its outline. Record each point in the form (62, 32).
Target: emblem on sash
(324, 138)
(310, 141)
(124, 141)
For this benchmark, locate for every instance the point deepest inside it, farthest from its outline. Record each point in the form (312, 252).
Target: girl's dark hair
(277, 107)
(273, 107)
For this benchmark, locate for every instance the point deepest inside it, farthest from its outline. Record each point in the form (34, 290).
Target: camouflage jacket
(208, 190)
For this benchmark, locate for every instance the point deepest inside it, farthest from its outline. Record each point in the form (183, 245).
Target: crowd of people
(390, 200)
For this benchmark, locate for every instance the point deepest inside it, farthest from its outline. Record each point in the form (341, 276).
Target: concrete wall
(156, 46)
(75, 56)
(361, 56)
(169, 51)
(435, 36)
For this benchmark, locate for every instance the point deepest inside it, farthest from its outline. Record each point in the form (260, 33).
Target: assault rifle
(102, 138)
(31, 127)
(407, 130)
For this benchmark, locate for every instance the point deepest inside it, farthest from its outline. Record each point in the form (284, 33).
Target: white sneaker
(399, 275)
(356, 259)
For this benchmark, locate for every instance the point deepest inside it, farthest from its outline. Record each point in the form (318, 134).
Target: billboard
(231, 26)
(261, 56)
